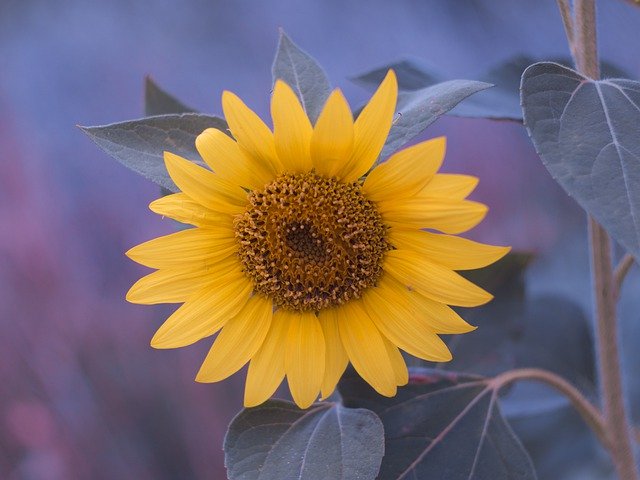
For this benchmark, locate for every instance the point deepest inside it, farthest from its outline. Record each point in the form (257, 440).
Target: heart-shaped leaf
(139, 144)
(587, 133)
(302, 73)
(159, 102)
(277, 441)
(420, 108)
(443, 425)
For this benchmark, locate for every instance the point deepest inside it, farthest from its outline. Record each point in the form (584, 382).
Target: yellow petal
(406, 172)
(397, 362)
(180, 207)
(196, 247)
(448, 216)
(238, 341)
(432, 280)
(332, 138)
(438, 317)
(449, 185)
(449, 251)
(266, 369)
(250, 131)
(168, 286)
(336, 359)
(390, 309)
(291, 129)
(204, 186)
(225, 158)
(371, 128)
(205, 312)
(304, 357)
(366, 350)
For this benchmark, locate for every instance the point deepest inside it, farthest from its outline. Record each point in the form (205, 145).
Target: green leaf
(504, 277)
(443, 425)
(560, 444)
(139, 144)
(420, 108)
(587, 134)
(503, 101)
(159, 102)
(277, 441)
(412, 74)
(543, 331)
(499, 103)
(546, 331)
(302, 73)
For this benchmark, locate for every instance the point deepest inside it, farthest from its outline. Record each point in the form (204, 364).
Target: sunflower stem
(583, 406)
(607, 338)
(583, 43)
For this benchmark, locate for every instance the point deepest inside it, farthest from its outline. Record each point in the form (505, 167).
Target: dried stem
(585, 408)
(585, 53)
(621, 272)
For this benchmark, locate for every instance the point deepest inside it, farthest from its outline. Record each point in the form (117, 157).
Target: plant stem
(614, 413)
(567, 21)
(585, 408)
(607, 338)
(585, 38)
(620, 272)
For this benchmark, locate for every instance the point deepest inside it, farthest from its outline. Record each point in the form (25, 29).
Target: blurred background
(82, 394)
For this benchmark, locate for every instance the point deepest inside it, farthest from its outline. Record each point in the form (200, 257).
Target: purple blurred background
(82, 395)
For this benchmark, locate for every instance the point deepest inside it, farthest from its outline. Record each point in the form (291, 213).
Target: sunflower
(304, 256)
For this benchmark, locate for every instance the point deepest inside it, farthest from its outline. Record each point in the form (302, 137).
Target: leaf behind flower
(159, 102)
(302, 73)
(139, 144)
(420, 108)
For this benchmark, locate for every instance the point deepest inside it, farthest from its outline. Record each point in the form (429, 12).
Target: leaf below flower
(277, 441)
(443, 425)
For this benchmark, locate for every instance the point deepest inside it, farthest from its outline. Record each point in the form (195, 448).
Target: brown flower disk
(310, 242)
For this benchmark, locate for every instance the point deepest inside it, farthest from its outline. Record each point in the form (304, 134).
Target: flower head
(304, 258)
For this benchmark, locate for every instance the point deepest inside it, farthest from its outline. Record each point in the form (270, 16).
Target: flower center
(310, 242)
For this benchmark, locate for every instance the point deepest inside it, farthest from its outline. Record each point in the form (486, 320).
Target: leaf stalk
(583, 406)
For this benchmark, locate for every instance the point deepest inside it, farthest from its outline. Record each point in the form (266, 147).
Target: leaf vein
(623, 165)
(444, 433)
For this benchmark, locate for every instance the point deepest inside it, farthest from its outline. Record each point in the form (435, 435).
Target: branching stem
(621, 272)
(585, 408)
(607, 338)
